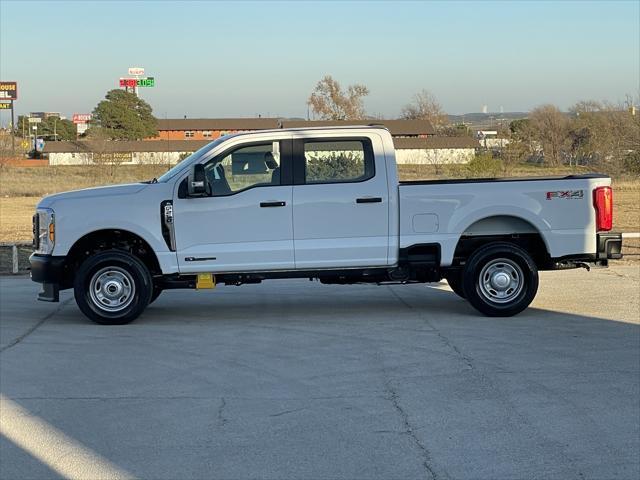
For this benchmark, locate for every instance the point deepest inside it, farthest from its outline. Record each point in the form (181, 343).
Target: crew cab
(319, 203)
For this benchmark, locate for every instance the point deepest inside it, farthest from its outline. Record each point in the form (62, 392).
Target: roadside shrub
(484, 165)
(631, 163)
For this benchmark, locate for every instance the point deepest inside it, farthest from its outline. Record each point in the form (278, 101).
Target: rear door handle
(272, 204)
(369, 200)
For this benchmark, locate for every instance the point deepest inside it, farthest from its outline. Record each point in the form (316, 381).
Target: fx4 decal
(566, 194)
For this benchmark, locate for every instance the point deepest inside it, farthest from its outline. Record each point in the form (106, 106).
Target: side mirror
(197, 185)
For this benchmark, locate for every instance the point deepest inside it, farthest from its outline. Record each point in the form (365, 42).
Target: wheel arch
(113, 238)
(504, 227)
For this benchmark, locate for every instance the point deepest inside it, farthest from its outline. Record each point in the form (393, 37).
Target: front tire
(500, 279)
(156, 293)
(112, 287)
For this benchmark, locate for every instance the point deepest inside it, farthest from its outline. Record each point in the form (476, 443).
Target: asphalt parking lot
(293, 379)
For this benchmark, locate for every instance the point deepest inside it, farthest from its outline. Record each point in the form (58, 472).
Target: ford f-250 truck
(319, 203)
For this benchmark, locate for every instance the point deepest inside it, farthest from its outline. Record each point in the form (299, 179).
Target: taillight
(603, 203)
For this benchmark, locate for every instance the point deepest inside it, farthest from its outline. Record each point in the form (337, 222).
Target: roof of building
(435, 143)
(396, 127)
(125, 146)
(217, 124)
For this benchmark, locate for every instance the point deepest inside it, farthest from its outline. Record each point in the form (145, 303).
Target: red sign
(8, 90)
(128, 82)
(81, 117)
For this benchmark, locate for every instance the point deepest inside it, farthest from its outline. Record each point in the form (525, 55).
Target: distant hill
(484, 120)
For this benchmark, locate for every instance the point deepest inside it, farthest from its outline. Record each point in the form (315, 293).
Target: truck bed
(559, 209)
(503, 179)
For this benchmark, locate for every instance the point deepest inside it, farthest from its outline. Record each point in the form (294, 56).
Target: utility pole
(13, 133)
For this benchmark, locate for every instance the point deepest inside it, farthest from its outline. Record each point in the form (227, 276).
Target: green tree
(52, 128)
(124, 116)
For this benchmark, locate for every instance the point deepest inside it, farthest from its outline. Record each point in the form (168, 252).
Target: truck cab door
(245, 224)
(340, 201)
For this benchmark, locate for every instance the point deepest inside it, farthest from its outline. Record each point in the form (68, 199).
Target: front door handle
(369, 200)
(272, 204)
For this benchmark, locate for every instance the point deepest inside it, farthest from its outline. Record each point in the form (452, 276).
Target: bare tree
(604, 134)
(550, 128)
(329, 102)
(425, 106)
(512, 154)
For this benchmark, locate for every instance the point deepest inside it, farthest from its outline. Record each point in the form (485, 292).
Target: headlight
(44, 231)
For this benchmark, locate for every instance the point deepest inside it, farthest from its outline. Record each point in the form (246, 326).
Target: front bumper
(52, 273)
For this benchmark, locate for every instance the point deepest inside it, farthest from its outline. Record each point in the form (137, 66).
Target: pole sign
(35, 120)
(5, 106)
(146, 82)
(81, 118)
(137, 82)
(136, 71)
(8, 90)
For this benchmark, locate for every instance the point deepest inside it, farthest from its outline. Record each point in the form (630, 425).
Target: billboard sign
(81, 128)
(136, 71)
(81, 117)
(146, 82)
(137, 82)
(8, 90)
(5, 106)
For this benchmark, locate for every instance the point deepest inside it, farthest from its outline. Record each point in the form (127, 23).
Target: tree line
(591, 133)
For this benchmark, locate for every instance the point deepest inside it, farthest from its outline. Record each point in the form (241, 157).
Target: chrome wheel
(500, 280)
(112, 289)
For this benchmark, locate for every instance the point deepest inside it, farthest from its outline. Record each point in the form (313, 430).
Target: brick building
(212, 128)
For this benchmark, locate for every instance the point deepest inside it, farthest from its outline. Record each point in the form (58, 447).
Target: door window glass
(338, 161)
(243, 168)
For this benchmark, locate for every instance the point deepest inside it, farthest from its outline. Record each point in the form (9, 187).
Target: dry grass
(41, 181)
(15, 218)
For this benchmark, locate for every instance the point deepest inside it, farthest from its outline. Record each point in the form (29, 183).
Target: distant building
(209, 128)
(435, 150)
(120, 152)
(409, 150)
(397, 128)
(491, 139)
(212, 128)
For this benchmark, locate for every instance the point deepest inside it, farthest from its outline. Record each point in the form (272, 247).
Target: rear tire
(112, 287)
(500, 279)
(454, 279)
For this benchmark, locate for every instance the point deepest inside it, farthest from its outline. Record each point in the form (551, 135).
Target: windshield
(180, 166)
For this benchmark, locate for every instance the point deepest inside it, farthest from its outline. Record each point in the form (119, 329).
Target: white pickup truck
(319, 203)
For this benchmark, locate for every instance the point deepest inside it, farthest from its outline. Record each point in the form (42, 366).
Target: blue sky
(221, 59)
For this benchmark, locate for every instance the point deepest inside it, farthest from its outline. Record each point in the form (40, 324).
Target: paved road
(293, 379)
